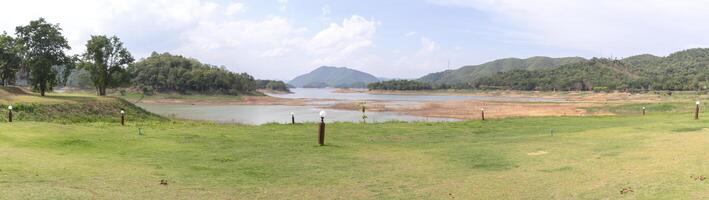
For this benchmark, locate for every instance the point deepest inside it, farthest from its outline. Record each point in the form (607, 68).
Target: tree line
(37, 52)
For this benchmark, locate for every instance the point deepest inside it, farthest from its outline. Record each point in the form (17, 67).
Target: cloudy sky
(280, 39)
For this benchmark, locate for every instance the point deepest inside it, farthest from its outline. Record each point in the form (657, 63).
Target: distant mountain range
(470, 73)
(682, 70)
(327, 76)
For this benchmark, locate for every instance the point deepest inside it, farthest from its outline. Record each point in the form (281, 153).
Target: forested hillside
(173, 73)
(467, 74)
(683, 70)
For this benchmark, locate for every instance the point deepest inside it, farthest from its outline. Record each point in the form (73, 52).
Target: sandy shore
(470, 109)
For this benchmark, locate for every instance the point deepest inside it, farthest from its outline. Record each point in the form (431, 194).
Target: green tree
(42, 46)
(105, 59)
(9, 59)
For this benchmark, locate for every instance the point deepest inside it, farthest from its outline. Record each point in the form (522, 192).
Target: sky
(280, 39)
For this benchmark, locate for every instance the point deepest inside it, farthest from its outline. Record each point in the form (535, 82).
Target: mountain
(471, 73)
(682, 70)
(327, 76)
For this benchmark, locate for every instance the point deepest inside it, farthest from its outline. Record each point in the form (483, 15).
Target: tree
(9, 59)
(105, 59)
(175, 73)
(42, 46)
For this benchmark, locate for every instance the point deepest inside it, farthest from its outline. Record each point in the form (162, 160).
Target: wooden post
(123, 118)
(482, 113)
(321, 133)
(9, 116)
(696, 111)
(292, 118)
(364, 115)
(643, 110)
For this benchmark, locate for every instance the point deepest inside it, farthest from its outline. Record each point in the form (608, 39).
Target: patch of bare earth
(471, 109)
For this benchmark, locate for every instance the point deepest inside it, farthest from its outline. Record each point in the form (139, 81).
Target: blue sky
(280, 39)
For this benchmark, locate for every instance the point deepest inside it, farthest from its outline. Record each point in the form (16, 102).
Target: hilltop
(327, 76)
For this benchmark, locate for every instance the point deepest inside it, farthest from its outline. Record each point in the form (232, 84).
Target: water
(328, 93)
(261, 114)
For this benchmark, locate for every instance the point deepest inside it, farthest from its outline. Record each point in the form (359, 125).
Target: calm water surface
(328, 93)
(260, 114)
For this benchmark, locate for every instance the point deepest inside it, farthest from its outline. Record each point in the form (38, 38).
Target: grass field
(652, 157)
(71, 147)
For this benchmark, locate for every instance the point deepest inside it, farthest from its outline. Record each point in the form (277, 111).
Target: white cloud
(623, 27)
(337, 43)
(428, 45)
(326, 10)
(409, 34)
(235, 8)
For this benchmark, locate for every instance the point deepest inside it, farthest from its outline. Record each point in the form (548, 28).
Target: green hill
(470, 73)
(326, 76)
(683, 70)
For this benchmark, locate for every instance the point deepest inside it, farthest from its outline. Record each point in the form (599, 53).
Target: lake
(261, 114)
(329, 93)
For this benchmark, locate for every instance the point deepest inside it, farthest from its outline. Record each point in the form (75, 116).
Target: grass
(586, 158)
(68, 108)
(80, 152)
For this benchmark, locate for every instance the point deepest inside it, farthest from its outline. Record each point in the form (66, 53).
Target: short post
(9, 115)
(482, 113)
(643, 110)
(292, 117)
(696, 111)
(321, 132)
(364, 114)
(123, 118)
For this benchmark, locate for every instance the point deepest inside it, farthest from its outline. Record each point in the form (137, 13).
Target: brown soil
(472, 109)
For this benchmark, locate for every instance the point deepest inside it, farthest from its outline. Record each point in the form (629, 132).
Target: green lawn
(655, 156)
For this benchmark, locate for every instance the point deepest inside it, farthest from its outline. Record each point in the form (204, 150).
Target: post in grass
(123, 118)
(9, 115)
(696, 111)
(292, 117)
(643, 110)
(364, 112)
(482, 113)
(321, 131)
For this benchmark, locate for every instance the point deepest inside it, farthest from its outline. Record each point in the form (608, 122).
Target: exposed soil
(472, 109)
